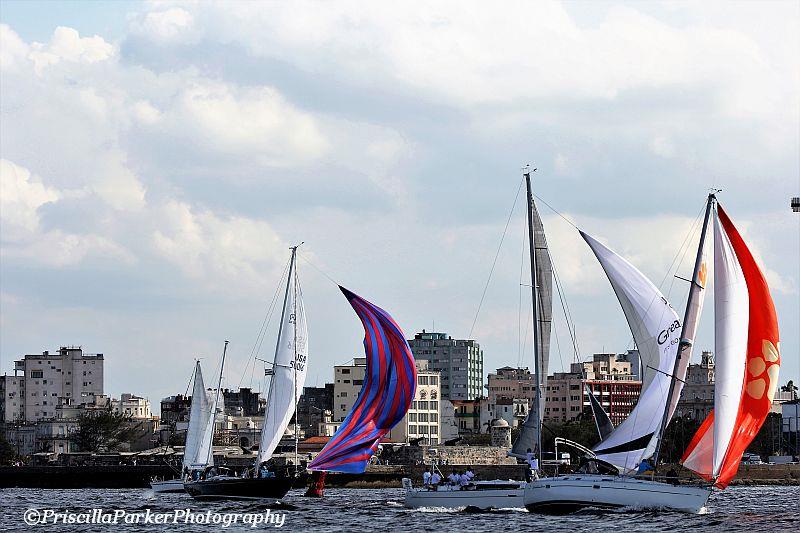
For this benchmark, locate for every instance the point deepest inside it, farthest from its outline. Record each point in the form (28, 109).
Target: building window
(37, 373)
(345, 371)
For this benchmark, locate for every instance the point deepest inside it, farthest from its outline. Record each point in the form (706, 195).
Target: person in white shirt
(435, 479)
(463, 479)
(453, 478)
(426, 477)
(470, 474)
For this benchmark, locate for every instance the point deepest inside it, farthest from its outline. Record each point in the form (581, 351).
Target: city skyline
(158, 160)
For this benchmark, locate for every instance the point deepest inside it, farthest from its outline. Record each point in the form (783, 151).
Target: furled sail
(389, 385)
(656, 330)
(601, 418)
(747, 359)
(199, 413)
(289, 368)
(528, 437)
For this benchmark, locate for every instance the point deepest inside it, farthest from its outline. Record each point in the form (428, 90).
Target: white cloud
(223, 252)
(21, 197)
(66, 44)
(168, 25)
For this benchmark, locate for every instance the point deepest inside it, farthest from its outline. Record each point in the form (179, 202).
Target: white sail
(205, 449)
(289, 368)
(656, 330)
(199, 413)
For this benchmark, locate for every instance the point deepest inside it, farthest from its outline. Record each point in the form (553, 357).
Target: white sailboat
(746, 343)
(507, 494)
(288, 376)
(199, 413)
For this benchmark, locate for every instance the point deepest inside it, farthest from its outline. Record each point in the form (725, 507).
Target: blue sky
(159, 158)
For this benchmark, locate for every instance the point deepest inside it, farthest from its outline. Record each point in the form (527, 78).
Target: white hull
(170, 485)
(482, 495)
(569, 493)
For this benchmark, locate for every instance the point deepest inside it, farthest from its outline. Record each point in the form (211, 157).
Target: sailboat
(288, 373)
(506, 494)
(199, 413)
(746, 344)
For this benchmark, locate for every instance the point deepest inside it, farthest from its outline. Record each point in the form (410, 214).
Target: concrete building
(609, 378)
(459, 363)
(312, 406)
(697, 397)
(132, 405)
(43, 381)
(244, 402)
(511, 383)
(422, 420)
(790, 426)
(468, 416)
(513, 411)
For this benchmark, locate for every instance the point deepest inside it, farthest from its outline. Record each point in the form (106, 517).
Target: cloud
(22, 196)
(67, 45)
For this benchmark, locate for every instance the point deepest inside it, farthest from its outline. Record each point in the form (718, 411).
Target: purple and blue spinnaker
(390, 382)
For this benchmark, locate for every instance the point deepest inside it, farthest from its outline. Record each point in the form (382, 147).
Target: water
(754, 509)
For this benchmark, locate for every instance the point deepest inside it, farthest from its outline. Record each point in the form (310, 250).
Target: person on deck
(435, 480)
(645, 468)
(454, 478)
(426, 477)
(470, 474)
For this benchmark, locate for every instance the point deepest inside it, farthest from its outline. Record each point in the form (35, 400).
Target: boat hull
(566, 494)
(167, 486)
(487, 495)
(269, 489)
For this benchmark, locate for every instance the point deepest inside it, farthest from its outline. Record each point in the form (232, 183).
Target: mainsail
(528, 437)
(389, 385)
(656, 330)
(747, 358)
(214, 403)
(289, 368)
(195, 454)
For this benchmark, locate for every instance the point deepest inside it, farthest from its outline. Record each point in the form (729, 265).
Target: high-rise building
(610, 379)
(458, 361)
(41, 382)
(422, 419)
(511, 384)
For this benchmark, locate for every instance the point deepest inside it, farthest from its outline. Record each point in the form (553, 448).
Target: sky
(158, 159)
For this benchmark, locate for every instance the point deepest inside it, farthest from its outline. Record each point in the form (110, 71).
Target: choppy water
(754, 509)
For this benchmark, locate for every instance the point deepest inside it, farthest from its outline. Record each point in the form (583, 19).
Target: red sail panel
(763, 357)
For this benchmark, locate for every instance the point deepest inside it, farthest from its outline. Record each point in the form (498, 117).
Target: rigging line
(262, 330)
(318, 269)
(683, 249)
(557, 212)
(567, 313)
(496, 255)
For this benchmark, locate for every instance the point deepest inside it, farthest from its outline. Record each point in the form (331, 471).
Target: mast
(532, 249)
(685, 343)
(275, 364)
(294, 360)
(216, 402)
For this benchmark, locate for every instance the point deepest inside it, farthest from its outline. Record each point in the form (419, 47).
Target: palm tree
(790, 387)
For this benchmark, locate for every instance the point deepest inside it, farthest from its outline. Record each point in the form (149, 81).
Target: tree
(7, 452)
(789, 387)
(102, 431)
